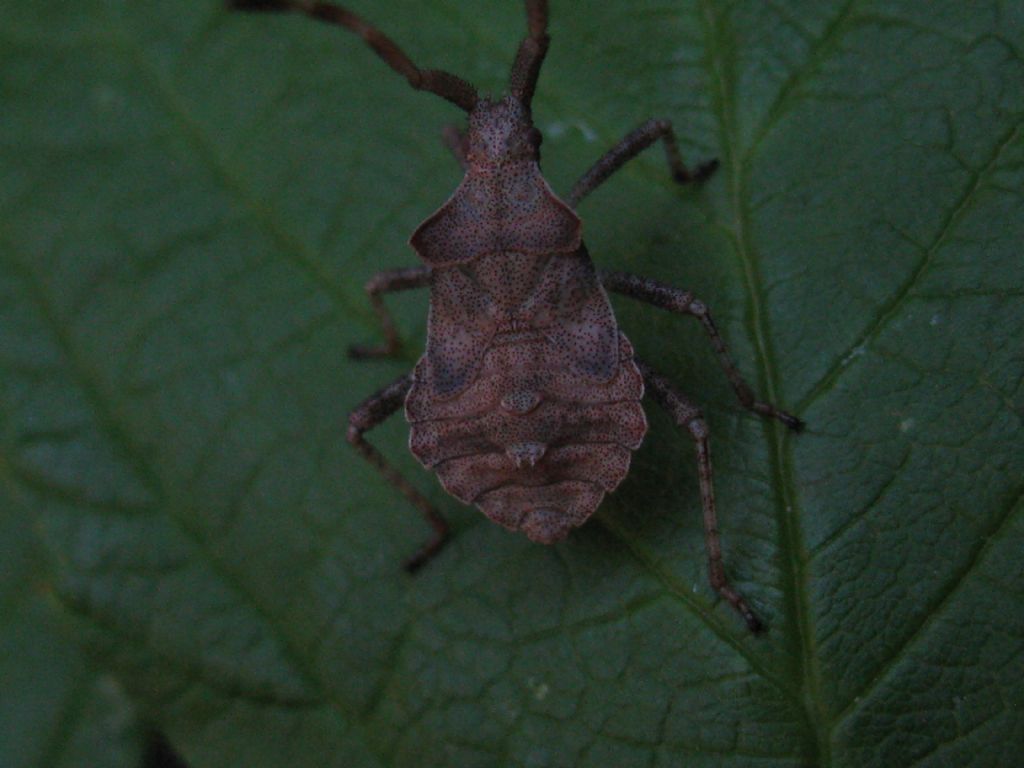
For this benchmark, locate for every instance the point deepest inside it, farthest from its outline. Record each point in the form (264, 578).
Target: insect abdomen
(535, 450)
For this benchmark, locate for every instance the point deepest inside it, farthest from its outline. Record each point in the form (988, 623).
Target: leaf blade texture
(190, 202)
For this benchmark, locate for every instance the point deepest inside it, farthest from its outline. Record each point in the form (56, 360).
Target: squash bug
(527, 401)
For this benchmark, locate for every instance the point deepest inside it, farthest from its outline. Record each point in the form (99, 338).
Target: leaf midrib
(779, 447)
(791, 538)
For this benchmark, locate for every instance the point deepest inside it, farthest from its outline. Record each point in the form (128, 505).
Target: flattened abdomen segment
(468, 478)
(621, 423)
(536, 451)
(544, 514)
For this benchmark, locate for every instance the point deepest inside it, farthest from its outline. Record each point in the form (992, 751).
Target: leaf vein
(111, 424)
(845, 360)
(681, 593)
(822, 47)
(721, 72)
(860, 698)
(299, 253)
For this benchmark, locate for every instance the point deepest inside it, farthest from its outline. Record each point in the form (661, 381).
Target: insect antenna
(436, 81)
(531, 53)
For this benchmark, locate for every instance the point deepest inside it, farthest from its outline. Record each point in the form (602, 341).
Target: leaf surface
(57, 708)
(190, 203)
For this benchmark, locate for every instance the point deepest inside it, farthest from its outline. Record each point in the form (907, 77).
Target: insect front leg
(684, 302)
(403, 279)
(688, 416)
(631, 145)
(368, 414)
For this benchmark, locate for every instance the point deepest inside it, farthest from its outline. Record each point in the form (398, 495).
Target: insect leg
(688, 416)
(443, 84)
(684, 302)
(402, 279)
(629, 147)
(531, 53)
(368, 414)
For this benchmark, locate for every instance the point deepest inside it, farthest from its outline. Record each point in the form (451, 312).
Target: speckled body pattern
(527, 401)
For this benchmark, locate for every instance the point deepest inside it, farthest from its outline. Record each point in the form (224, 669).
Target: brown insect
(527, 401)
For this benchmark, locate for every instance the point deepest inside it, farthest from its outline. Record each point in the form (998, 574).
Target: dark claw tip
(795, 424)
(709, 167)
(705, 170)
(258, 5)
(700, 174)
(754, 624)
(425, 554)
(413, 564)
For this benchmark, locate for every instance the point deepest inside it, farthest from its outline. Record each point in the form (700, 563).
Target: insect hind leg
(687, 416)
(680, 301)
(364, 417)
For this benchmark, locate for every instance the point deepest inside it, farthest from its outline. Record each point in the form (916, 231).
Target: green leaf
(56, 708)
(190, 203)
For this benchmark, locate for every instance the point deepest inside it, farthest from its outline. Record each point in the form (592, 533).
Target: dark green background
(190, 202)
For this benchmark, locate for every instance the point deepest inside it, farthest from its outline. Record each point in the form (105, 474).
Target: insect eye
(535, 138)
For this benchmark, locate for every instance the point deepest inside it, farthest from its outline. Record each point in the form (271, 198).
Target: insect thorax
(526, 402)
